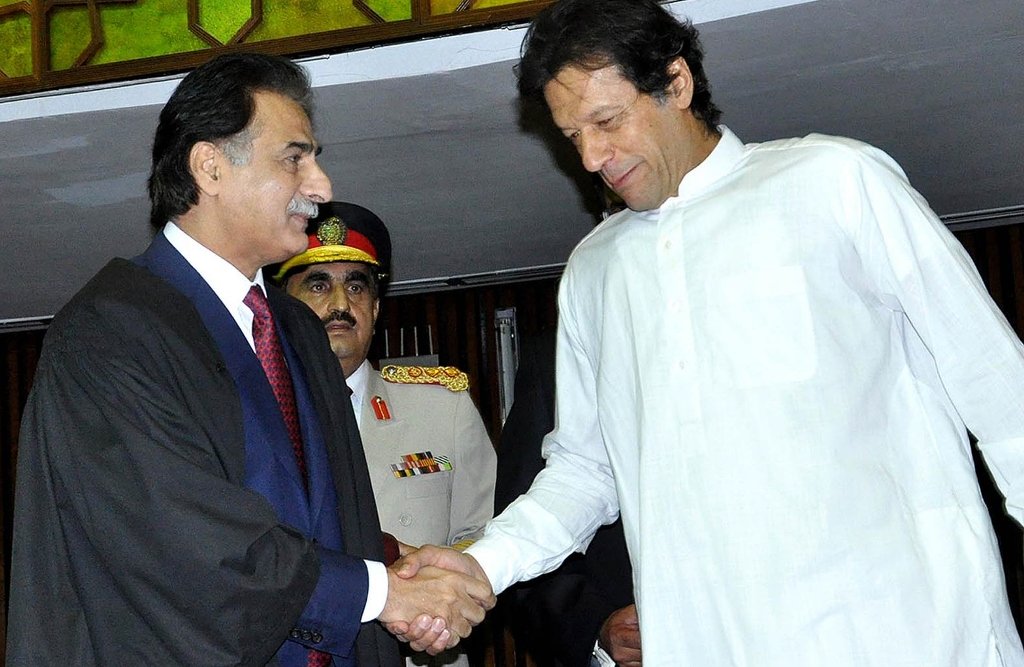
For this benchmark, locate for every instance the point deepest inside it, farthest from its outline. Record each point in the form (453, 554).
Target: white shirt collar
(227, 282)
(357, 383)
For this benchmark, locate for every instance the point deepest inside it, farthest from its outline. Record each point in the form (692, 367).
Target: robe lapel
(321, 491)
(270, 469)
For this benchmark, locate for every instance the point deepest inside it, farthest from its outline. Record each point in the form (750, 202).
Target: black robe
(135, 538)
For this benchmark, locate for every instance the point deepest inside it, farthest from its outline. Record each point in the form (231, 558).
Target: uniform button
(405, 519)
(682, 365)
(295, 633)
(306, 635)
(317, 637)
(667, 245)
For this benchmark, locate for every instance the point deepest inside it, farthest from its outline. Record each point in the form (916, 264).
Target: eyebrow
(305, 147)
(596, 115)
(315, 276)
(357, 275)
(605, 110)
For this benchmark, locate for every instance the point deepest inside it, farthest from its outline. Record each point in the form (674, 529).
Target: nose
(339, 301)
(595, 150)
(316, 186)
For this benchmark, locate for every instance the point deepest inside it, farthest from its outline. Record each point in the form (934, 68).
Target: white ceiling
(430, 136)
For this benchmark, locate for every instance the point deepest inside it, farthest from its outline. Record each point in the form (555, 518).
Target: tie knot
(257, 302)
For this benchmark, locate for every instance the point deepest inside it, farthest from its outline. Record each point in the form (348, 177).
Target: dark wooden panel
(461, 326)
(19, 353)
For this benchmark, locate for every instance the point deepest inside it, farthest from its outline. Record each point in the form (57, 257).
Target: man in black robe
(172, 506)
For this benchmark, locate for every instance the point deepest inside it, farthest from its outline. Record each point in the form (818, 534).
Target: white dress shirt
(357, 383)
(231, 286)
(769, 376)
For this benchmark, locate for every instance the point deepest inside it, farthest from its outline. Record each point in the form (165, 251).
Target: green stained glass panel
(224, 19)
(148, 28)
(141, 29)
(443, 6)
(391, 10)
(290, 18)
(16, 36)
(69, 36)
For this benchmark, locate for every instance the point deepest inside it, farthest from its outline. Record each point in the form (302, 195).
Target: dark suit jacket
(556, 616)
(135, 537)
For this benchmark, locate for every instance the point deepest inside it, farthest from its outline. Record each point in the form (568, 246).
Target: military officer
(432, 465)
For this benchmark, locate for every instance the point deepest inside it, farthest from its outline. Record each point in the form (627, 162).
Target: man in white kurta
(768, 366)
(772, 372)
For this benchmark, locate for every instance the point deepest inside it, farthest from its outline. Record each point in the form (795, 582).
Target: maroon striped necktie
(268, 350)
(271, 356)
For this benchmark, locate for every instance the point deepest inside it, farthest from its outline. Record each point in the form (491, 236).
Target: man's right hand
(429, 632)
(434, 608)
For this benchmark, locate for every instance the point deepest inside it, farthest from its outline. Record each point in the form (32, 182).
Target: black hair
(215, 102)
(639, 37)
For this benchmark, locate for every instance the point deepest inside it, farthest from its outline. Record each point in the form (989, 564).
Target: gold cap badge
(332, 231)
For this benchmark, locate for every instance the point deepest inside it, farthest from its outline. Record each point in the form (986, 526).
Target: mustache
(339, 316)
(302, 206)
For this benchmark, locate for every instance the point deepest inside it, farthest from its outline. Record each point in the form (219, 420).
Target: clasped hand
(436, 596)
(620, 637)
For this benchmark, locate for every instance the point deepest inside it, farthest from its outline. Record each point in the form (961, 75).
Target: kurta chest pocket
(759, 328)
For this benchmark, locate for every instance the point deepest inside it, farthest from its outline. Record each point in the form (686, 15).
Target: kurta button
(317, 637)
(405, 519)
(682, 365)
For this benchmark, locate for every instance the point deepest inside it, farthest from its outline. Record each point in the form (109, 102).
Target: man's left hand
(620, 636)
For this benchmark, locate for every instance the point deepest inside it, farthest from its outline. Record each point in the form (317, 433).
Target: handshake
(435, 597)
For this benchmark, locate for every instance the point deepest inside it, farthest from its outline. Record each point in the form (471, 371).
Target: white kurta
(777, 366)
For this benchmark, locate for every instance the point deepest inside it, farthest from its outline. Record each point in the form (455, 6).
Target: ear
(680, 87)
(376, 311)
(204, 162)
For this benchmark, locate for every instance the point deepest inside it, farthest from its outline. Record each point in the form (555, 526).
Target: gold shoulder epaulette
(449, 377)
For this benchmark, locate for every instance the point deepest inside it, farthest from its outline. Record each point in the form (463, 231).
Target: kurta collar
(721, 161)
